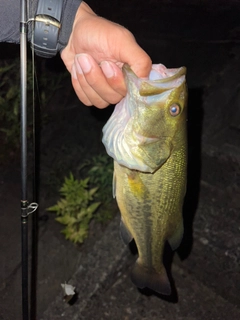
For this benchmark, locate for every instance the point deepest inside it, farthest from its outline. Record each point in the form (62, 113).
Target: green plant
(9, 103)
(80, 199)
(46, 84)
(76, 208)
(100, 172)
(104, 214)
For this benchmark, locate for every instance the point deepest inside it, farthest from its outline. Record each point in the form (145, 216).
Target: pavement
(205, 37)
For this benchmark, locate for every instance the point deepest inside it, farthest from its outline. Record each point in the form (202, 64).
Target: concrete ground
(205, 37)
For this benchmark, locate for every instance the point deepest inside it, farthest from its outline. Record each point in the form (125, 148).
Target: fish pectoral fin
(125, 233)
(143, 277)
(176, 238)
(114, 181)
(156, 154)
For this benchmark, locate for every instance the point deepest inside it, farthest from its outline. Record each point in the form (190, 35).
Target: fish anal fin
(176, 238)
(125, 233)
(148, 278)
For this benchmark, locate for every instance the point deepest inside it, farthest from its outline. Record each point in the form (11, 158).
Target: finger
(89, 99)
(114, 77)
(132, 54)
(85, 93)
(94, 83)
(141, 65)
(78, 90)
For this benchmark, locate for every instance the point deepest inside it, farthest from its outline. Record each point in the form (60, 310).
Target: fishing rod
(26, 208)
(24, 202)
(46, 21)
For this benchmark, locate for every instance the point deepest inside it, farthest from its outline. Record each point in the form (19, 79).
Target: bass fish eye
(174, 110)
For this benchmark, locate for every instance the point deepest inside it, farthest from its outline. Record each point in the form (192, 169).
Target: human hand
(95, 53)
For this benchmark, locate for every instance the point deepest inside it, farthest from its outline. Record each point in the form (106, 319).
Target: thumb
(137, 59)
(141, 65)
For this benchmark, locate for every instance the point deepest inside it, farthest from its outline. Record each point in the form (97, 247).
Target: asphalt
(205, 37)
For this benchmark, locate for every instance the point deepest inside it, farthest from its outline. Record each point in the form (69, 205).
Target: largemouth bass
(147, 138)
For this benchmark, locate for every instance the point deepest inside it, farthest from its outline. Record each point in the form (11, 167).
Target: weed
(9, 103)
(47, 83)
(81, 199)
(100, 171)
(76, 208)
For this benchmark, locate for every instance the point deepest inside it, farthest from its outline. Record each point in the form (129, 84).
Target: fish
(146, 135)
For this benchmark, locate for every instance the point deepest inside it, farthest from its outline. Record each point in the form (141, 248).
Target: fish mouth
(162, 74)
(160, 79)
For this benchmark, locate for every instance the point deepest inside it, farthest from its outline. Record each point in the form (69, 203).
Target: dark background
(205, 37)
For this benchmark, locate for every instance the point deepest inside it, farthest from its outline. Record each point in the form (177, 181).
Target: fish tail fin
(144, 277)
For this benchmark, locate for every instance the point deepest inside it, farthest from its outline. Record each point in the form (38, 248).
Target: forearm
(10, 20)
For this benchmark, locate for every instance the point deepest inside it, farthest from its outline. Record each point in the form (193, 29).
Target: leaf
(92, 208)
(53, 208)
(66, 220)
(92, 191)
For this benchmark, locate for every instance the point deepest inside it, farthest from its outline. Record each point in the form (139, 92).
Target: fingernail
(74, 72)
(107, 69)
(83, 64)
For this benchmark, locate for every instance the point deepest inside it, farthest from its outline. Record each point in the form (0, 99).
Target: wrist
(85, 9)
(70, 9)
(84, 16)
(83, 12)
(53, 25)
